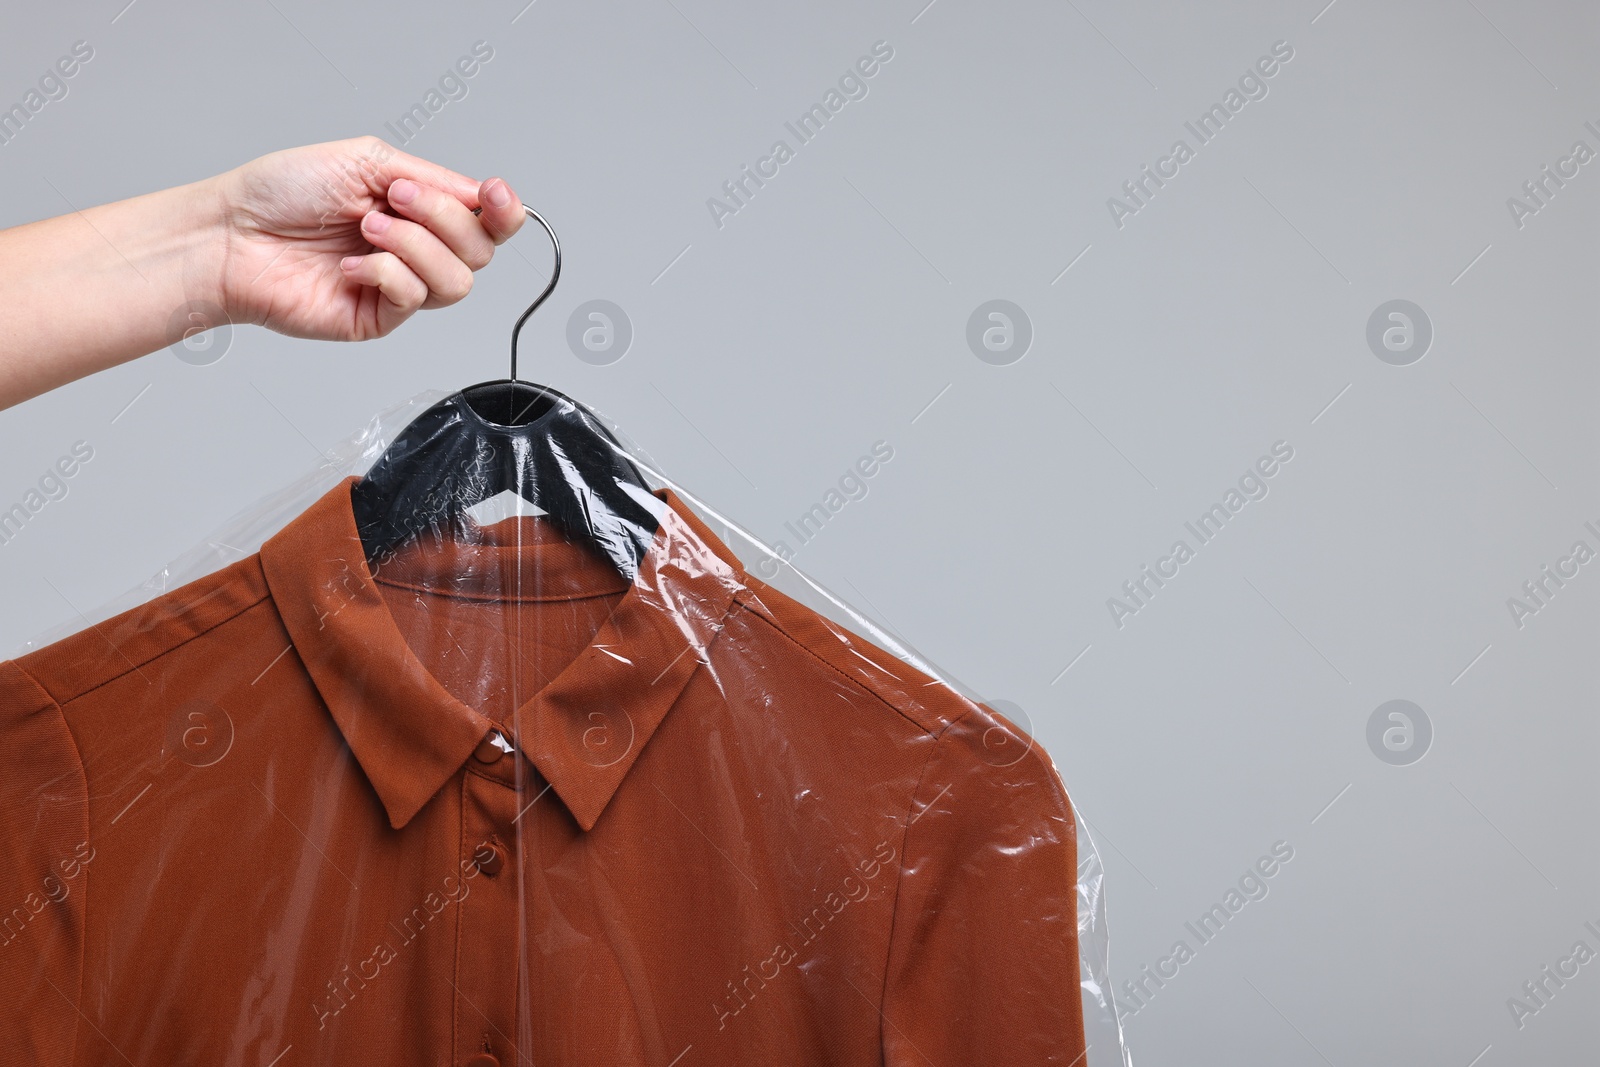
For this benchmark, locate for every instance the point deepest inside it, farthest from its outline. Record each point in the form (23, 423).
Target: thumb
(393, 164)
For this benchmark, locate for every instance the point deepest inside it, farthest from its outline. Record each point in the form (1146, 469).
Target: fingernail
(350, 262)
(376, 222)
(403, 191)
(498, 193)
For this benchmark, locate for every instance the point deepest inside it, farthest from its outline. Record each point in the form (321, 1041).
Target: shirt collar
(583, 731)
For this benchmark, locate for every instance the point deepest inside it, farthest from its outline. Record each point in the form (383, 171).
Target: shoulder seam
(834, 669)
(37, 684)
(155, 655)
(49, 697)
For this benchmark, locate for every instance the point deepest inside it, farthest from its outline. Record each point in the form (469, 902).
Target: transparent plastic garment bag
(487, 801)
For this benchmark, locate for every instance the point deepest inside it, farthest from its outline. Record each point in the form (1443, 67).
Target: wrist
(202, 218)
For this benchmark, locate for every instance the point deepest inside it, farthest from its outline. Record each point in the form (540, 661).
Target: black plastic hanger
(508, 435)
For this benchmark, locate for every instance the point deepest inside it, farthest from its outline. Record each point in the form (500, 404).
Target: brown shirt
(498, 805)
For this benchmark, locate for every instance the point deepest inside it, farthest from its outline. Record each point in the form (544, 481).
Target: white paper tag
(503, 505)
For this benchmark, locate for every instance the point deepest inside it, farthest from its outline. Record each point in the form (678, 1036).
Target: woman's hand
(345, 240)
(340, 241)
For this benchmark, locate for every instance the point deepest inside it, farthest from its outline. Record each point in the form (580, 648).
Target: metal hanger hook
(555, 275)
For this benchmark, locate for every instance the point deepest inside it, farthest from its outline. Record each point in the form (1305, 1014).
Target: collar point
(400, 812)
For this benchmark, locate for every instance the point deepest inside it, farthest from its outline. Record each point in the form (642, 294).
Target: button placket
(490, 930)
(490, 857)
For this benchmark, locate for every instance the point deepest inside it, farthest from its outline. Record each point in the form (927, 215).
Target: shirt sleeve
(44, 858)
(983, 956)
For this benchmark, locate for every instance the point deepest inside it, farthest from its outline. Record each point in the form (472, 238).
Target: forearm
(96, 288)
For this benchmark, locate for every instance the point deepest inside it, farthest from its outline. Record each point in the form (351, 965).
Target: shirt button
(489, 750)
(491, 858)
(482, 1059)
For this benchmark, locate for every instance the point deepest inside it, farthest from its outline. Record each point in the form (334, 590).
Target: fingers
(502, 210)
(395, 164)
(437, 238)
(447, 217)
(399, 288)
(447, 278)
(470, 238)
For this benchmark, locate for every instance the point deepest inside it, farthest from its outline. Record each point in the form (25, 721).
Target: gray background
(831, 312)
